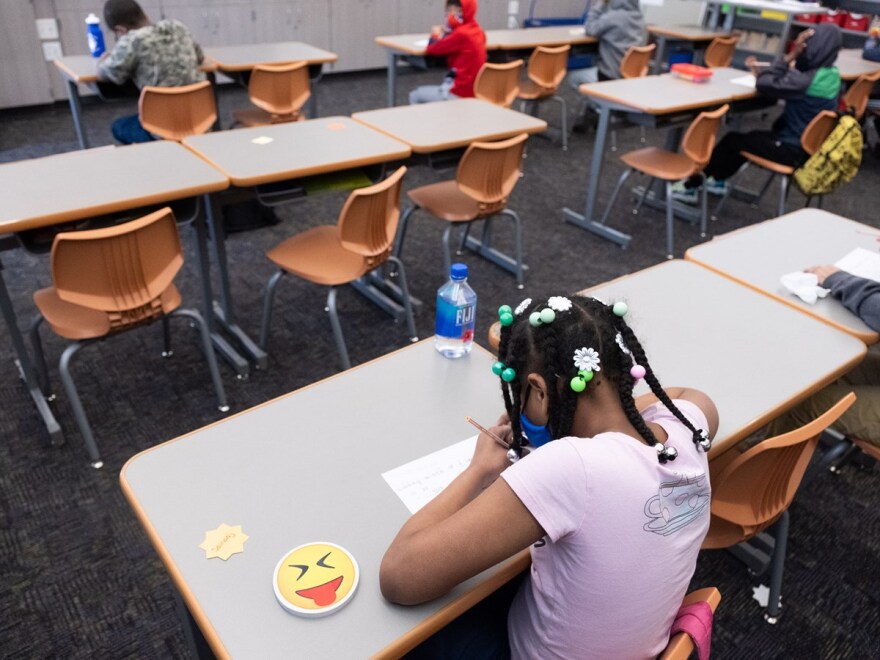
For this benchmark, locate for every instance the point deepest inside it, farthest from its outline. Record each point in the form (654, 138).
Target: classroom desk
(852, 65)
(757, 256)
(702, 330)
(265, 155)
(663, 100)
(402, 45)
(790, 8)
(307, 467)
(432, 127)
(44, 192)
(671, 35)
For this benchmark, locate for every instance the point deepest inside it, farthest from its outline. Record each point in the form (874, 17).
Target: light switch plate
(47, 28)
(513, 7)
(52, 50)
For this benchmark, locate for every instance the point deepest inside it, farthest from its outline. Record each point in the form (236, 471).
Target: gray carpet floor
(79, 577)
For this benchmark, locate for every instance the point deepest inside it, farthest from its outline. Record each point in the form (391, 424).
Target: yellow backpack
(835, 163)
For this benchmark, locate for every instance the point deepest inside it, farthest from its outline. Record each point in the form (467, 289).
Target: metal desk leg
(586, 221)
(223, 312)
(316, 72)
(236, 361)
(26, 367)
(729, 19)
(392, 78)
(76, 111)
(660, 55)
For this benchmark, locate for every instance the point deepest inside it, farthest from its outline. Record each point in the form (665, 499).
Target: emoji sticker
(315, 579)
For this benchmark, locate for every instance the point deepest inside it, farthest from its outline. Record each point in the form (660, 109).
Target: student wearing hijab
(807, 80)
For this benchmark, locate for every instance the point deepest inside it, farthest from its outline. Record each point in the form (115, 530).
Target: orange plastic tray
(691, 72)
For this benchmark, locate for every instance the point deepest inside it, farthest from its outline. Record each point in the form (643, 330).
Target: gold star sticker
(223, 542)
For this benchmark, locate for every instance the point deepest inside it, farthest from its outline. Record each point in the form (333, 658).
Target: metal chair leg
(764, 189)
(464, 237)
(564, 121)
(207, 345)
(267, 307)
(620, 182)
(517, 242)
(645, 190)
(447, 258)
(670, 219)
(783, 194)
(407, 302)
(730, 185)
(337, 328)
(776, 569)
(79, 413)
(819, 200)
(401, 230)
(40, 366)
(166, 338)
(704, 205)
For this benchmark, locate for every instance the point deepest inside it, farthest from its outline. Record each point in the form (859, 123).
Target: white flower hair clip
(559, 303)
(622, 344)
(586, 359)
(523, 306)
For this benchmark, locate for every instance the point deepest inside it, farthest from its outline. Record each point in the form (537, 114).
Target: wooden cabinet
(354, 25)
(24, 78)
(302, 20)
(214, 23)
(415, 16)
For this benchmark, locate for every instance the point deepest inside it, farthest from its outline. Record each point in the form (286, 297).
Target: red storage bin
(833, 16)
(807, 18)
(857, 22)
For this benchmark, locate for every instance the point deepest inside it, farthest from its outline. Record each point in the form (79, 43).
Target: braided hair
(548, 349)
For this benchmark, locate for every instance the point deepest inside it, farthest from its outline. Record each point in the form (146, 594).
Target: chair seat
(444, 200)
(660, 163)
(317, 255)
(259, 117)
(779, 168)
(73, 321)
(530, 91)
(723, 534)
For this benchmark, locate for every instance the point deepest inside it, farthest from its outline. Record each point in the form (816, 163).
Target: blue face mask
(537, 434)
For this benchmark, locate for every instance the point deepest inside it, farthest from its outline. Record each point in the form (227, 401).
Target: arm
(698, 398)
(781, 80)
(598, 21)
(476, 522)
(450, 43)
(119, 65)
(859, 295)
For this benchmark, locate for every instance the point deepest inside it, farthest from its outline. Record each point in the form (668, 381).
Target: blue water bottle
(456, 314)
(94, 35)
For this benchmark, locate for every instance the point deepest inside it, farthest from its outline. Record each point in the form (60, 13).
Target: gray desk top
(246, 56)
(667, 93)
(759, 255)
(265, 154)
(686, 32)
(415, 44)
(852, 65)
(82, 184)
(753, 356)
(307, 467)
(431, 127)
(83, 68)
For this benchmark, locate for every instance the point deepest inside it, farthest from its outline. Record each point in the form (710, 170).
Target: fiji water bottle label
(455, 321)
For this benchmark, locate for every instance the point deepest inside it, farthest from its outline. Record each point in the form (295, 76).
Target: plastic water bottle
(94, 35)
(456, 314)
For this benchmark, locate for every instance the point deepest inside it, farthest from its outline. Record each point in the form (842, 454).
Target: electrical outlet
(47, 28)
(52, 50)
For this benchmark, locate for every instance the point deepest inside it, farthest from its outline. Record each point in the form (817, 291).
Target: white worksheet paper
(420, 481)
(862, 263)
(746, 81)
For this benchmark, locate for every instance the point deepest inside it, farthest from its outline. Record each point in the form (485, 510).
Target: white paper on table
(862, 263)
(420, 43)
(747, 80)
(418, 482)
(652, 3)
(576, 31)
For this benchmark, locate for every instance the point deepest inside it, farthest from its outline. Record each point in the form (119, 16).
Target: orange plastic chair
(813, 137)
(681, 646)
(636, 61)
(668, 166)
(333, 255)
(547, 67)
(720, 51)
(129, 282)
(487, 174)
(175, 113)
(856, 97)
(752, 491)
(279, 92)
(498, 83)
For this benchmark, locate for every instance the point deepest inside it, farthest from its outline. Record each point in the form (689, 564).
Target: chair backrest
(699, 140)
(720, 51)
(681, 645)
(636, 61)
(498, 83)
(760, 484)
(488, 171)
(548, 66)
(368, 222)
(818, 130)
(281, 90)
(129, 267)
(175, 113)
(856, 97)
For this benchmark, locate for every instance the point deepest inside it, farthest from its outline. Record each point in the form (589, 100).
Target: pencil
(487, 432)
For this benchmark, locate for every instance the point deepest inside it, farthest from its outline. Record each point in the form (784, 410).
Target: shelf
(853, 33)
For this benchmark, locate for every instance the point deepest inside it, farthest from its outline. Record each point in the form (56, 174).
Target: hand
(490, 458)
(822, 272)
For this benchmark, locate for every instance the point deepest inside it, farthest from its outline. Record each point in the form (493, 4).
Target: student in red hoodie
(463, 43)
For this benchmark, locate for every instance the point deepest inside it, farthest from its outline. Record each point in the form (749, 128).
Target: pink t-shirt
(623, 533)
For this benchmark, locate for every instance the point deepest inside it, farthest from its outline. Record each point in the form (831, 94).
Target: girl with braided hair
(611, 493)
